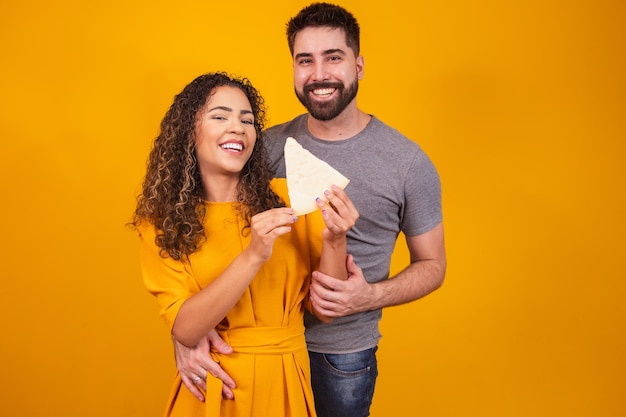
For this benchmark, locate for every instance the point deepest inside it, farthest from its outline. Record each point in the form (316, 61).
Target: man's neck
(348, 124)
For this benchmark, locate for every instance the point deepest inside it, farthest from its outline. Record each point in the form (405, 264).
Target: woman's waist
(265, 340)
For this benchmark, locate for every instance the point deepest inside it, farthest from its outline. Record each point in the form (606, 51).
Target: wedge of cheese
(308, 177)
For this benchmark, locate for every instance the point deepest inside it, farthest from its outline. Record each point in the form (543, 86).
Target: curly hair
(172, 198)
(325, 14)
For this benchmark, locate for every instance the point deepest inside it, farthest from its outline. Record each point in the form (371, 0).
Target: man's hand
(334, 298)
(195, 363)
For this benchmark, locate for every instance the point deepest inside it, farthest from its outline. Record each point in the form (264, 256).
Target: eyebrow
(228, 109)
(325, 53)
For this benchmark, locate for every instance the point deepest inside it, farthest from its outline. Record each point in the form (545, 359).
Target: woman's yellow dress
(270, 363)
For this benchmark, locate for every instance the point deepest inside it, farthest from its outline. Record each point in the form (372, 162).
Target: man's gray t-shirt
(394, 186)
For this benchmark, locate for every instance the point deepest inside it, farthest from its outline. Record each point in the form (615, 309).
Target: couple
(221, 251)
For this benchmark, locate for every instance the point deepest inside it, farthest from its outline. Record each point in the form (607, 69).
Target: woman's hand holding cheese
(338, 212)
(266, 227)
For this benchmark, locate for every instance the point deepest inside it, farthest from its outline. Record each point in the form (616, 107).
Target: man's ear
(360, 67)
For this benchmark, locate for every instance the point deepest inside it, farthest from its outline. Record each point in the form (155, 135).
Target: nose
(236, 126)
(320, 72)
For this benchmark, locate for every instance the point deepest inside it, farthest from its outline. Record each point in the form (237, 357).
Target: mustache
(313, 86)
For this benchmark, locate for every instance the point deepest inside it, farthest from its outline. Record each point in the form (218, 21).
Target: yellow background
(520, 104)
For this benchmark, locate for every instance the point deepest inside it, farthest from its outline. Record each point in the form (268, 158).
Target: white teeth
(234, 146)
(323, 91)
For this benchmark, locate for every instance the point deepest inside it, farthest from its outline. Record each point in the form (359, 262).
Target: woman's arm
(203, 311)
(339, 216)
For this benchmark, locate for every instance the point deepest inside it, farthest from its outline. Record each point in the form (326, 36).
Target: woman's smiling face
(225, 132)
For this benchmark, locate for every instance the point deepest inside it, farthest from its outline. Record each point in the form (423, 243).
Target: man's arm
(425, 273)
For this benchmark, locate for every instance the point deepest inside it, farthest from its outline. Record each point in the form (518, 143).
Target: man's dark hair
(328, 15)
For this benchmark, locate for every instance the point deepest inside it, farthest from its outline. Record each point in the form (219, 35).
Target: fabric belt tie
(257, 341)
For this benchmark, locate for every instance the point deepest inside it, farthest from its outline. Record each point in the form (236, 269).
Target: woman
(220, 249)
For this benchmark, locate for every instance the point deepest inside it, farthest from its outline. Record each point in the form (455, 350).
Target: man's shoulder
(385, 135)
(276, 136)
(288, 127)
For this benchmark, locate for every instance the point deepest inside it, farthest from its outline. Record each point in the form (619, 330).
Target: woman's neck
(220, 189)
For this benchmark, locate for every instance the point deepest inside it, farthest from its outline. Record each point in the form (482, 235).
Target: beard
(330, 109)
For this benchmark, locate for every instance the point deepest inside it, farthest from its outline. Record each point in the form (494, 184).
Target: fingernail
(326, 192)
(295, 218)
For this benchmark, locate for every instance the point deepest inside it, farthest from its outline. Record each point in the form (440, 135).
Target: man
(394, 186)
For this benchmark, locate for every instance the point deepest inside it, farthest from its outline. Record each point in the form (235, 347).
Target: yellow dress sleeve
(167, 279)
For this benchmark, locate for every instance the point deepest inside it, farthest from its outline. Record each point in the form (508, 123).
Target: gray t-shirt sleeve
(422, 197)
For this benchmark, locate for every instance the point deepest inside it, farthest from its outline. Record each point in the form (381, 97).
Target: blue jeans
(343, 384)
